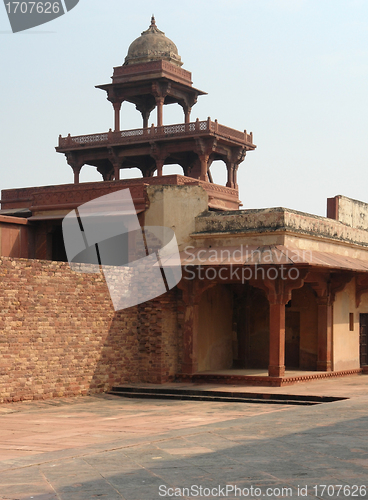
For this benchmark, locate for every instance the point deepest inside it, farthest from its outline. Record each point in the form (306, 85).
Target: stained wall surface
(353, 213)
(215, 351)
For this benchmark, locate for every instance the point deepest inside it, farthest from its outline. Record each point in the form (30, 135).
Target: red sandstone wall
(60, 336)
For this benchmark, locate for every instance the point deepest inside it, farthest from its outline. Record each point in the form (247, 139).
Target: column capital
(338, 282)
(117, 105)
(360, 288)
(76, 164)
(279, 290)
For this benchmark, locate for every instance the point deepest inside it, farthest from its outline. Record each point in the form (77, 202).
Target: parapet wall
(350, 212)
(277, 221)
(59, 334)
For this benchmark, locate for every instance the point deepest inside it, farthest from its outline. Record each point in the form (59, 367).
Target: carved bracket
(279, 290)
(361, 287)
(338, 282)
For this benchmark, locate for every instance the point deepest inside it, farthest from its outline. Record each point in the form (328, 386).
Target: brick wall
(59, 334)
(158, 338)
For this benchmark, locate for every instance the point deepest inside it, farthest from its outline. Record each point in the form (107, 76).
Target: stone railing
(154, 133)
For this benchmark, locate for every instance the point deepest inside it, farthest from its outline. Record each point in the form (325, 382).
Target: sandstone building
(268, 296)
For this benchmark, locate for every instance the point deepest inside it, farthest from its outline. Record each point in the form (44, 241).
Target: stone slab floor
(110, 448)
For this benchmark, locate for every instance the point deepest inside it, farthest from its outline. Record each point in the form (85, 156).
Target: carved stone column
(235, 158)
(160, 105)
(76, 171)
(116, 162)
(145, 117)
(159, 166)
(279, 293)
(76, 165)
(230, 174)
(145, 109)
(276, 366)
(204, 167)
(324, 359)
(187, 111)
(159, 154)
(326, 286)
(117, 108)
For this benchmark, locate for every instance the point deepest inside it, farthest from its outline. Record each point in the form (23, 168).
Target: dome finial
(153, 28)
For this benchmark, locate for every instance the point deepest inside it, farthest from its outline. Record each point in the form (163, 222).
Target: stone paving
(105, 447)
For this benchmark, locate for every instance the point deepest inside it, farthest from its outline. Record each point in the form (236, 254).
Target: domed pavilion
(150, 78)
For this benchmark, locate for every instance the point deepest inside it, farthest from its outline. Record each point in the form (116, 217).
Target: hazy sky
(295, 72)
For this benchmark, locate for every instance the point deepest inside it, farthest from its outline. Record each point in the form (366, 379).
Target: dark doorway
(292, 338)
(250, 327)
(363, 336)
(58, 252)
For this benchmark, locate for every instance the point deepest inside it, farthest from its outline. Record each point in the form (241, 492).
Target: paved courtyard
(105, 447)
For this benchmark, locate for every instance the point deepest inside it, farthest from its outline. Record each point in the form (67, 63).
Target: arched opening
(172, 114)
(218, 172)
(301, 330)
(130, 173)
(250, 327)
(131, 118)
(172, 169)
(89, 174)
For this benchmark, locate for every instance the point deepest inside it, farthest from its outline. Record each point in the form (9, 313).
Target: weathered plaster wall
(345, 342)
(363, 306)
(59, 334)
(176, 207)
(351, 212)
(215, 350)
(280, 226)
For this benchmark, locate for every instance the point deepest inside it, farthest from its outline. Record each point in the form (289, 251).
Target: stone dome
(152, 45)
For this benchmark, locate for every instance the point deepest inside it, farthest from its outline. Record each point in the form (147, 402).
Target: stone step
(219, 396)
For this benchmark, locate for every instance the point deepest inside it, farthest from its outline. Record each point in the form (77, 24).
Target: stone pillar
(324, 360)
(187, 114)
(235, 176)
(278, 292)
(204, 167)
(160, 105)
(230, 175)
(159, 166)
(117, 107)
(117, 172)
(145, 111)
(76, 165)
(276, 366)
(145, 120)
(76, 171)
